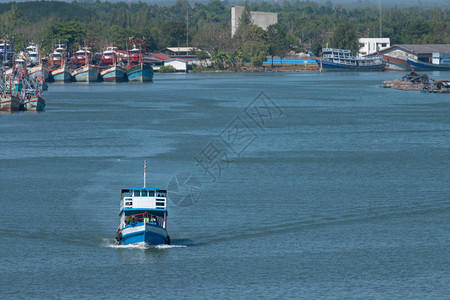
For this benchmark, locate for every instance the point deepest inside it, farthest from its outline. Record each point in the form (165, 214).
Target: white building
(370, 46)
(261, 19)
(180, 65)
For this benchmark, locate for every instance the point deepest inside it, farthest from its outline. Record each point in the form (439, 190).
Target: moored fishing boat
(86, 73)
(34, 103)
(62, 74)
(39, 72)
(142, 216)
(137, 69)
(141, 73)
(343, 60)
(417, 65)
(9, 102)
(113, 74)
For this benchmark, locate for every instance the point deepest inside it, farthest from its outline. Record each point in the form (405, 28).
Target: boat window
(151, 193)
(144, 193)
(137, 193)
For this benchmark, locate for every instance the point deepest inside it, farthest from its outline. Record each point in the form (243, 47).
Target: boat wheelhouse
(109, 55)
(59, 54)
(343, 60)
(32, 53)
(143, 216)
(83, 55)
(6, 52)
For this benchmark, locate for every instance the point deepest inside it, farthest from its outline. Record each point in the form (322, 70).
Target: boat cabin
(32, 54)
(143, 204)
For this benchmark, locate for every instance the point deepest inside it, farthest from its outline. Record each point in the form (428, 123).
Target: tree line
(302, 25)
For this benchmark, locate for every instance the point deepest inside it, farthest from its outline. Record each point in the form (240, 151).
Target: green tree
(277, 42)
(174, 33)
(245, 18)
(344, 37)
(70, 32)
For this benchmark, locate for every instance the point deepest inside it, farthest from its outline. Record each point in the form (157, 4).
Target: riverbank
(265, 68)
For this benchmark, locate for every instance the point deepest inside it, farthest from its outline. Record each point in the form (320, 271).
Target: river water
(282, 185)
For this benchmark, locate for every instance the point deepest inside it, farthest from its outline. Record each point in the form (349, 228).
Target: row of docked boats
(114, 65)
(343, 60)
(20, 91)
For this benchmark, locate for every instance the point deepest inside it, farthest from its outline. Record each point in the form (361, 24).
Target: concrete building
(395, 56)
(180, 65)
(370, 46)
(261, 19)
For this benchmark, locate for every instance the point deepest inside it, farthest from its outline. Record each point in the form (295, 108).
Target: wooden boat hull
(140, 73)
(35, 103)
(417, 65)
(396, 64)
(39, 72)
(113, 74)
(85, 74)
(9, 103)
(62, 75)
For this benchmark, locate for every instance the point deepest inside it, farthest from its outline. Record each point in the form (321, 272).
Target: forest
(302, 25)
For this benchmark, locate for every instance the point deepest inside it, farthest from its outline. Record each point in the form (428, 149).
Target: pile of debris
(409, 82)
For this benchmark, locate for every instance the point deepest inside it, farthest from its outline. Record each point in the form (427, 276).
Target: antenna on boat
(145, 172)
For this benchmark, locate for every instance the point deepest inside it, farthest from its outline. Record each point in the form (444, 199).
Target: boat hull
(85, 74)
(62, 75)
(39, 73)
(417, 65)
(113, 74)
(140, 73)
(35, 103)
(331, 66)
(9, 103)
(144, 233)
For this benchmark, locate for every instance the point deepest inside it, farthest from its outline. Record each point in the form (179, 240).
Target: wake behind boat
(142, 216)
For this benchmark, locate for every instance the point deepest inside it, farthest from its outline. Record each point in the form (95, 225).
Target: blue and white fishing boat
(343, 60)
(86, 73)
(114, 74)
(438, 64)
(140, 72)
(143, 216)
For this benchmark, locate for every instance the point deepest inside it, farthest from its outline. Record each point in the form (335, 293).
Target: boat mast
(145, 172)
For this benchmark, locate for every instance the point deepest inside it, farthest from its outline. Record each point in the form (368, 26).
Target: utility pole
(187, 25)
(379, 5)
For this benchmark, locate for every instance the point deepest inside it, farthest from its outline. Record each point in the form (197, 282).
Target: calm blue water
(324, 186)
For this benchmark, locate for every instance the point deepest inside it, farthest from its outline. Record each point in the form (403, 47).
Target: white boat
(32, 53)
(143, 216)
(59, 54)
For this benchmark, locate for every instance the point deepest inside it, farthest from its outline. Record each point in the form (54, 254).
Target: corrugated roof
(422, 49)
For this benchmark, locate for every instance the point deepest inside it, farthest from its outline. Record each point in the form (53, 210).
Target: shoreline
(263, 69)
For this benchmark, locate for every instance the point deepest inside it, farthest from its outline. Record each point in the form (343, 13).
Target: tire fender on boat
(118, 235)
